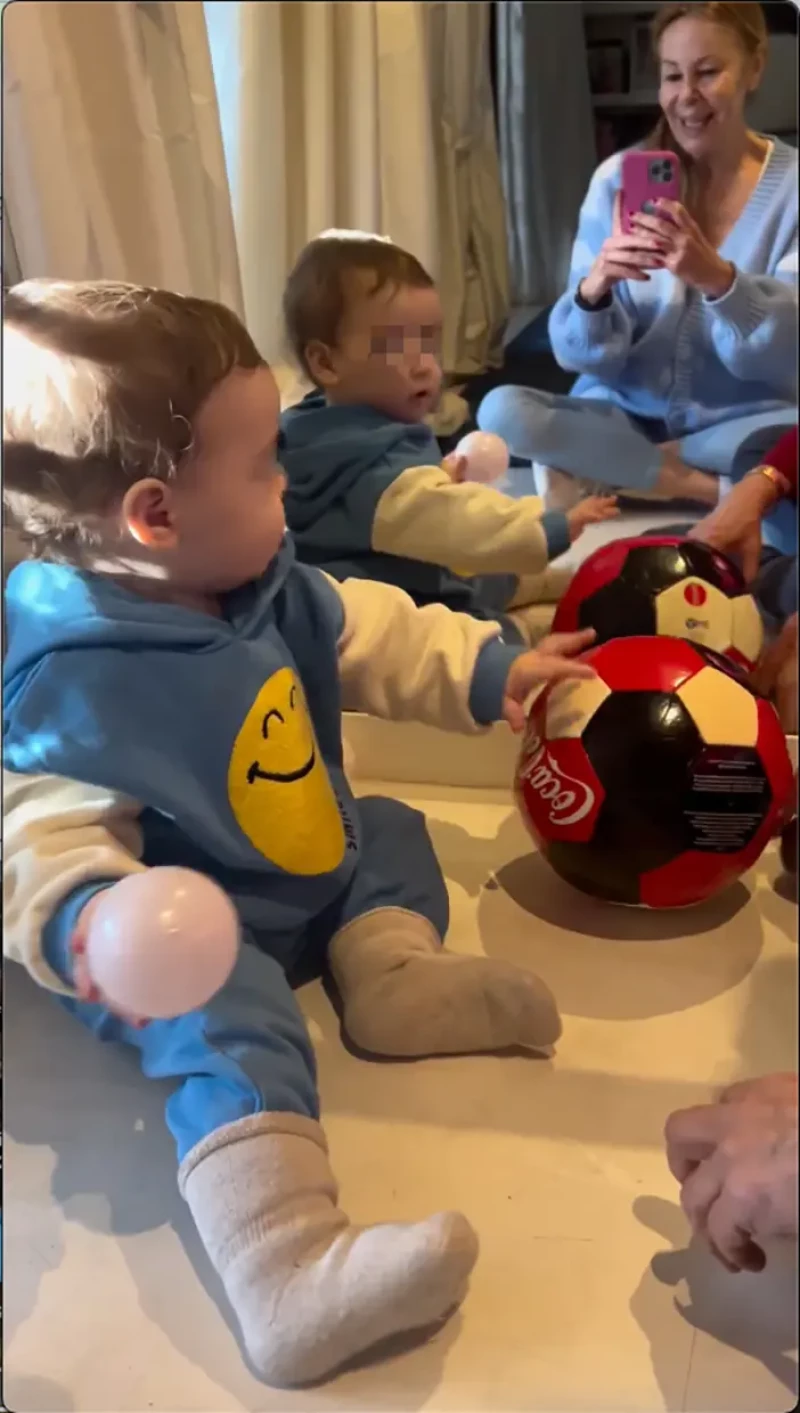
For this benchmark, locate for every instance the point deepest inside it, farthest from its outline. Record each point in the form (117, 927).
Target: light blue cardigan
(663, 351)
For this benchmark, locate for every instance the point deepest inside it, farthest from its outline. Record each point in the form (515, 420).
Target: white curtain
(374, 116)
(113, 165)
(547, 147)
(472, 264)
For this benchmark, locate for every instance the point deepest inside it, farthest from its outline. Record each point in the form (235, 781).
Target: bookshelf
(622, 71)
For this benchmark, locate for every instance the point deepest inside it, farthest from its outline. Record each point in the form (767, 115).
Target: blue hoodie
(339, 461)
(226, 731)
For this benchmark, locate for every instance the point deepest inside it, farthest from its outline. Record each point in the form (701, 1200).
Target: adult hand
(82, 979)
(736, 1161)
(552, 661)
(622, 257)
(734, 526)
(689, 256)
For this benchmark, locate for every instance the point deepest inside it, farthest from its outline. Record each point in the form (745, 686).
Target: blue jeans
(248, 1051)
(597, 441)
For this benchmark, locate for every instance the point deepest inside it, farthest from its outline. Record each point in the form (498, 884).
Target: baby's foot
(310, 1291)
(404, 995)
(678, 482)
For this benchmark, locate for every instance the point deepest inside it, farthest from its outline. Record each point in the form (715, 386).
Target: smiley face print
(278, 785)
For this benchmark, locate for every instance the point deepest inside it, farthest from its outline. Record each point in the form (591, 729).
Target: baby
(173, 694)
(367, 494)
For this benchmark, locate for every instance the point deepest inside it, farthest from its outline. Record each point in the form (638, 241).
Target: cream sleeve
(57, 835)
(468, 528)
(419, 664)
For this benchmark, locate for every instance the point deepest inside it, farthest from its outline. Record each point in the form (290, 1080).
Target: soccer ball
(657, 783)
(667, 586)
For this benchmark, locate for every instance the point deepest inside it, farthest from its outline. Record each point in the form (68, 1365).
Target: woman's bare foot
(677, 481)
(563, 492)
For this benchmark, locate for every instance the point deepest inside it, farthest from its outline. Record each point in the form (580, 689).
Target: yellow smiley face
(278, 785)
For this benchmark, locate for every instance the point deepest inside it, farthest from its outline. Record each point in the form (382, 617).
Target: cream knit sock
(405, 995)
(545, 588)
(534, 604)
(309, 1290)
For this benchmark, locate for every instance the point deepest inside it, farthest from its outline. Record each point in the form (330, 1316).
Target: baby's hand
(81, 975)
(591, 511)
(456, 468)
(551, 661)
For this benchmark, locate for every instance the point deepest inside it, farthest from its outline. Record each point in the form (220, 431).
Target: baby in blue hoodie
(367, 494)
(173, 693)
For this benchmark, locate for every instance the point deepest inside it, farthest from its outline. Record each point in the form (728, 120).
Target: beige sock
(309, 1290)
(405, 995)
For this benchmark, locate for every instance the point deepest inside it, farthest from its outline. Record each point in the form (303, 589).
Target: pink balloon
(162, 943)
(486, 455)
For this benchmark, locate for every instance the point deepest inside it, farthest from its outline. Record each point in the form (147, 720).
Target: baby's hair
(102, 384)
(328, 274)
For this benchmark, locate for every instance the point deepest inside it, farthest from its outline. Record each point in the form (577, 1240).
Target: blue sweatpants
(596, 440)
(248, 1050)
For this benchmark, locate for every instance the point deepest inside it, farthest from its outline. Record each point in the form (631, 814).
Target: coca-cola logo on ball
(566, 798)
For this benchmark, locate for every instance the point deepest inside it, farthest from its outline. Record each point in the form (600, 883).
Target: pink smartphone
(646, 176)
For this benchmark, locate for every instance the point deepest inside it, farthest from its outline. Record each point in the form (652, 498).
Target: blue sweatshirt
(660, 350)
(226, 731)
(348, 511)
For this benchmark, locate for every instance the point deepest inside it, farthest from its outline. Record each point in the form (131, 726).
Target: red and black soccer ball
(657, 783)
(667, 586)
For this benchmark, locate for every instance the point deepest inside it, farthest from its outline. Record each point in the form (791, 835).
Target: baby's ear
(320, 362)
(148, 515)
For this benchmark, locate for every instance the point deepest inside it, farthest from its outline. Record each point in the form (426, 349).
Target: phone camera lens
(661, 172)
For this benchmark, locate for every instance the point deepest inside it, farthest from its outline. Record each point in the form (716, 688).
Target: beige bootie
(405, 995)
(309, 1290)
(534, 604)
(544, 589)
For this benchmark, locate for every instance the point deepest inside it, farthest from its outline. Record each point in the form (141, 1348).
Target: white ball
(162, 943)
(486, 456)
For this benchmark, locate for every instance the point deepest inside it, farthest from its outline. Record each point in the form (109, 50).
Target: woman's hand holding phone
(623, 257)
(690, 257)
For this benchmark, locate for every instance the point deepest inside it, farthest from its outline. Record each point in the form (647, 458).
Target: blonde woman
(683, 333)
